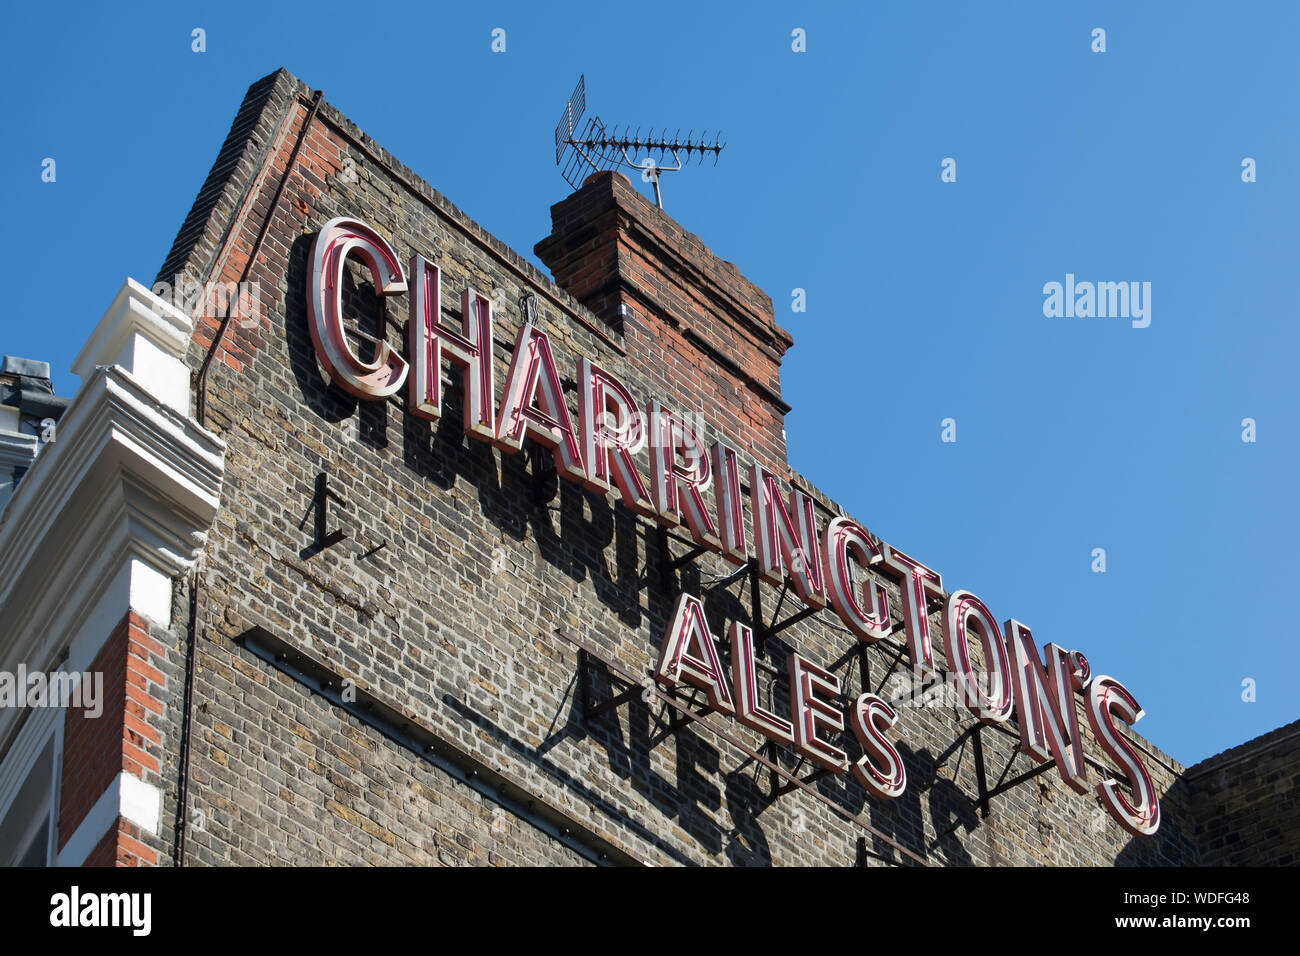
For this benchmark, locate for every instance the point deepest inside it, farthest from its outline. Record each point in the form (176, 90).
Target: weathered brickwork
(1245, 803)
(461, 561)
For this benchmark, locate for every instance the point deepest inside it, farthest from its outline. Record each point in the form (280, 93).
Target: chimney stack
(692, 323)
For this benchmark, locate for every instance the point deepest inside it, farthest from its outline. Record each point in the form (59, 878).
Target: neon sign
(822, 568)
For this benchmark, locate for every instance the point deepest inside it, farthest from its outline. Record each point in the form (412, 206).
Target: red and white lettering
(727, 496)
(880, 769)
(1049, 724)
(470, 350)
(612, 430)
(745, 684)
(963, 611)
(689, 629)
(534, 404)
(784, 542)
(847, 540)
(917, 583)
(338, 239)
(1107, 697)
(678, 488)
(811, 692)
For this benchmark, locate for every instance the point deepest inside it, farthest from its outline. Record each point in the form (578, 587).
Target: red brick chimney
(691, 322)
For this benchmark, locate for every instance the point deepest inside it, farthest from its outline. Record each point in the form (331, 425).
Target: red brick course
(124, 737)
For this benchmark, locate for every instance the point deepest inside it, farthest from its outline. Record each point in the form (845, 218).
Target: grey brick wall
(1244, 801)
(452, 621)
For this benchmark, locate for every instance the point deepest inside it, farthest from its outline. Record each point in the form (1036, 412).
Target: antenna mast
(596, 148)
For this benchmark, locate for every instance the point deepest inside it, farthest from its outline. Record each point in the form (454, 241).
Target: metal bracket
(986, 794)
(977, 745)
(323, 538)
(686, 558)
(1021, 778)
(764, 631)
(590, 712)
(792, 619)
(669, 566)
(689, 716)
(811, 778)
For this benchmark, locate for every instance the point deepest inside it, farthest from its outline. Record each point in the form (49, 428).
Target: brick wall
(460, 563)
(126, 736)
(92, 751)
(1244, 801)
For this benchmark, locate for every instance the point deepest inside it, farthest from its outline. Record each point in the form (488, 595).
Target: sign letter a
(690, 655)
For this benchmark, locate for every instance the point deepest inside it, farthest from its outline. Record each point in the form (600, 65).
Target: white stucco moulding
(119, 505)
(147, 336)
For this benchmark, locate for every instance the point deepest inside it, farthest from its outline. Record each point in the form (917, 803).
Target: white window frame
(43, 728)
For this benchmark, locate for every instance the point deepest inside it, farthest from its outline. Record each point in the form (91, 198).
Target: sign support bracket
(977, 744)
(323, 538)
(689, 716)
(1021, 778)
(792, 619)
(811, 778)
(686, 558)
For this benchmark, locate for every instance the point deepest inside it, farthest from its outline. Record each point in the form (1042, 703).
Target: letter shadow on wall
(1182, 833)
(691, 796)
(901, 818)
(330, 403)
(630, 733)
(573, 528)
(572, 534)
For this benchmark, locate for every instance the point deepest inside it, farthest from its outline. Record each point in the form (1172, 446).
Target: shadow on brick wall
(573, 528)
(1174, 844)
(724, 803)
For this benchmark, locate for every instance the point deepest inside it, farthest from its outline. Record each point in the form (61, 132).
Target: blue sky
(924, 298)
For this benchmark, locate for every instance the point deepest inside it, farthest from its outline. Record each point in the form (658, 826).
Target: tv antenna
(597, 148)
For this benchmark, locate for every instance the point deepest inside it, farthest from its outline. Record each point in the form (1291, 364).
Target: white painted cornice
(127, 477)
(17, 449)
(121, 501)
(116, 506)
(147, 336)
